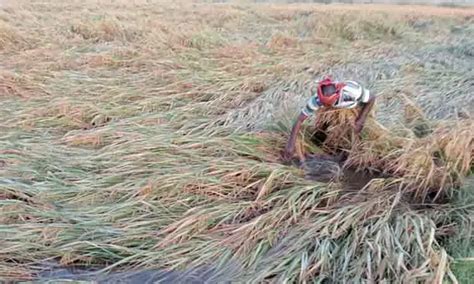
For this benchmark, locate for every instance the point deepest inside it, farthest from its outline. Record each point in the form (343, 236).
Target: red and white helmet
(329, 91)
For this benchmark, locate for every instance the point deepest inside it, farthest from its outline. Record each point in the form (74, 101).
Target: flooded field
(145, 138)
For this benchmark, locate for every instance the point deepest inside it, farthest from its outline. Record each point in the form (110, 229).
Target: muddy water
(55, 273)
(331, 170)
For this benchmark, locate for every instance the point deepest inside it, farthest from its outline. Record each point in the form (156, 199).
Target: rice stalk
(150, 138)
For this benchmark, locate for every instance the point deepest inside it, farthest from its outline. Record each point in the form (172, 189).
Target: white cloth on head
(352, 95)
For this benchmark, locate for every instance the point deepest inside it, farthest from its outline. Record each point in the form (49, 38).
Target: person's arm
(366, 107)
(290, 146)
(310, 109)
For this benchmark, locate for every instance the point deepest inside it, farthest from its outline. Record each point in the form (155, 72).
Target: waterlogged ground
(146, 136)
(89, 274)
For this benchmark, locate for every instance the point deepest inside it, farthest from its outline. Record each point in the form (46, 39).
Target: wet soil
(325, 168)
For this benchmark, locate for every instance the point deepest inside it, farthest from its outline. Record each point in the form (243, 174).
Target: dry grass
(106, 29)
(19, 86)
(148, 135)
(10, 38)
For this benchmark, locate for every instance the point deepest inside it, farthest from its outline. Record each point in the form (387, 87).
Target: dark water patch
(53, 272)
(353, 180)
(326, 168)
(322, 170)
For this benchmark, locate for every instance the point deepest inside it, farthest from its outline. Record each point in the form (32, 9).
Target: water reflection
(194, 276)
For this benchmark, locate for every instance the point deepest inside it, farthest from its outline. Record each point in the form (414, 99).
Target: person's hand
(358, 125)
